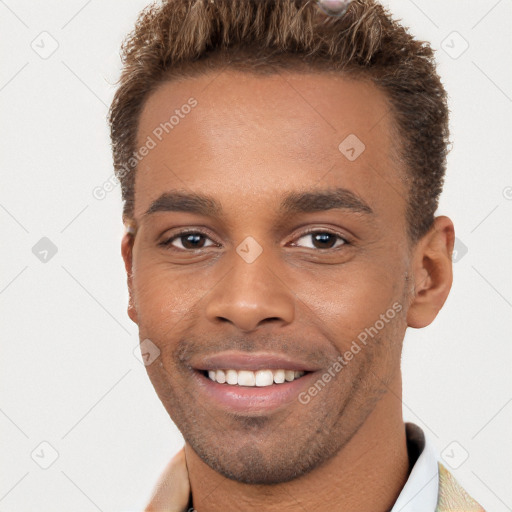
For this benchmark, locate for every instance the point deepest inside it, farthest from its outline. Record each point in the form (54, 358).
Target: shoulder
(172, 490)
(452, 497)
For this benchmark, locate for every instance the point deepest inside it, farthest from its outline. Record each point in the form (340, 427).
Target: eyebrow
(294, 202)
(320, 200)
(185, 202)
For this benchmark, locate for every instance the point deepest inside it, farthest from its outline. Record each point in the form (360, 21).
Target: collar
(419, 493)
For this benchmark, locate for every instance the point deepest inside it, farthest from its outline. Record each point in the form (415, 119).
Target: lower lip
(252, 399)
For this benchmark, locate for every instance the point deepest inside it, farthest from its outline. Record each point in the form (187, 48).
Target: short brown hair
(183, 38)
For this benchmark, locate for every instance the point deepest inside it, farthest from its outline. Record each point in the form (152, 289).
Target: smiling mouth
(253, 378)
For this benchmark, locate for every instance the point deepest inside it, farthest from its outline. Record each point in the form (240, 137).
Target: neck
(366, 475)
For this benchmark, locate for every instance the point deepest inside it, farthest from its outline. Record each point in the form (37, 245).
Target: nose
(250, 295)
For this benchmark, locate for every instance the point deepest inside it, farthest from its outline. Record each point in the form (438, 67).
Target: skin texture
(249, 142)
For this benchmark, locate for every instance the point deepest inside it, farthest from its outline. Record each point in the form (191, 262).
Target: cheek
(339, 300)
(167, 299)
(346, 301)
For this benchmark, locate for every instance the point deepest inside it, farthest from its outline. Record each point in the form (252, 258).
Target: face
(269, 238)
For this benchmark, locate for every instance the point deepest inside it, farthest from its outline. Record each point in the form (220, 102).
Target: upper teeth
(254, 378)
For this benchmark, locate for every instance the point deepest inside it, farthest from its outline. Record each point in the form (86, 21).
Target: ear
(432, 271)
(127, 253)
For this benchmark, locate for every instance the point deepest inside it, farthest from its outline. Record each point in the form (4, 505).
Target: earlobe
(127, 253)
(432, 270)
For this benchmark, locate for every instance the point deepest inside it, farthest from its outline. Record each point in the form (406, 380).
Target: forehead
(234, 134)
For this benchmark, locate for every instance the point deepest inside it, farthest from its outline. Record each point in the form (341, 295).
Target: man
(281, 163)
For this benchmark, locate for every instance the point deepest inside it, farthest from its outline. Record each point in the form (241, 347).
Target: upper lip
(254, 361)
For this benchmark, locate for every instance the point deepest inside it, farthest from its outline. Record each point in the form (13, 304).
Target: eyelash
(168, 242)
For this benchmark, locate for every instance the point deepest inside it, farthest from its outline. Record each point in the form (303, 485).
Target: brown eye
(187, 241)
(322, 240)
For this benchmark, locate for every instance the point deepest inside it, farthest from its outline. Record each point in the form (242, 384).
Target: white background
(68, 373)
